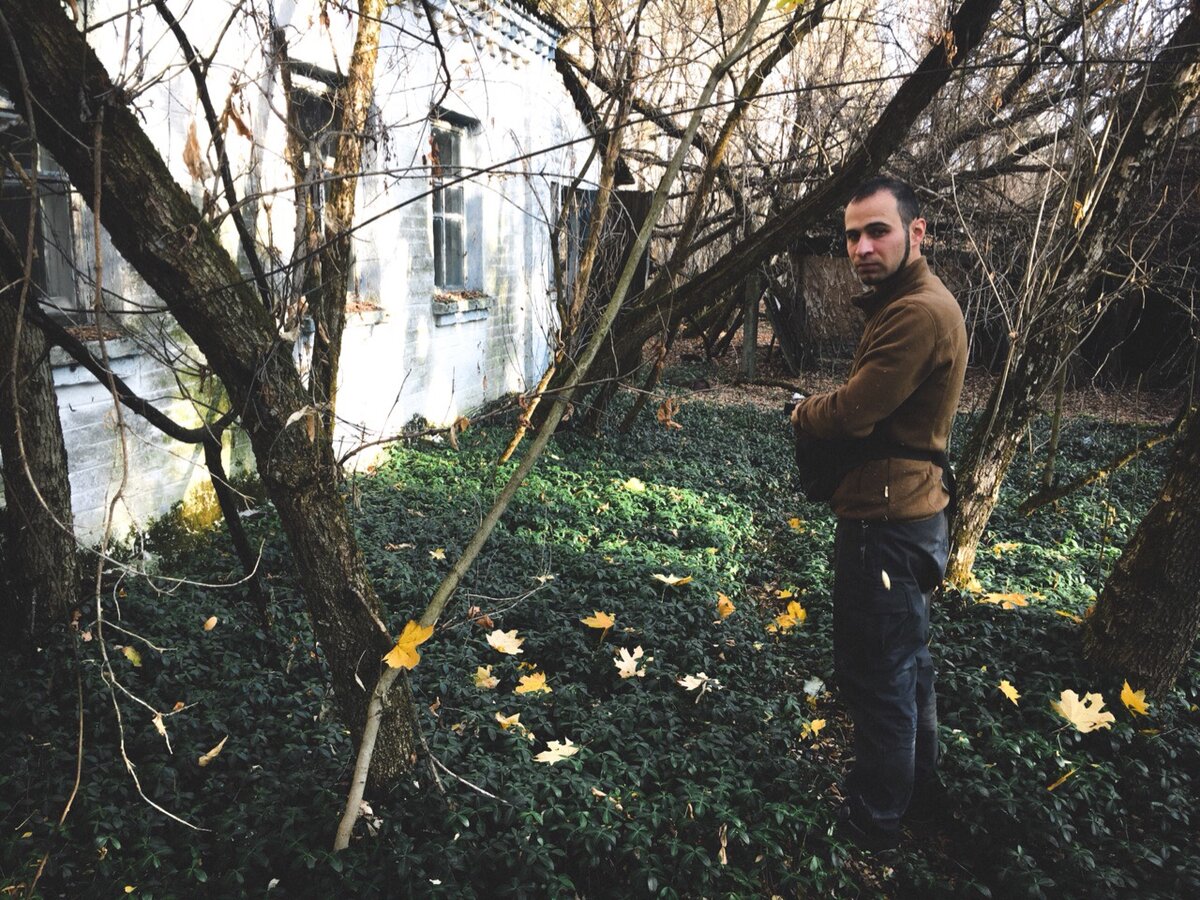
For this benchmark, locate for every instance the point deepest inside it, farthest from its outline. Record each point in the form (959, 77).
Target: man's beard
(896, 271)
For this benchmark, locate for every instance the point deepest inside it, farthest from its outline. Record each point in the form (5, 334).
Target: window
(449, 210)
(53, 236)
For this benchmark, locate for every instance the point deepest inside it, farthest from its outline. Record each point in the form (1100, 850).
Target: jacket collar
(901, 283)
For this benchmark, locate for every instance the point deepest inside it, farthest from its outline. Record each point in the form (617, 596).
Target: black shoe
(930, 804)
(869, 838)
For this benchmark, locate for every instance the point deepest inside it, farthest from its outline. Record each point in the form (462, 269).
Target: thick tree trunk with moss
(155, 227)
(43, 571)
(1147, 618)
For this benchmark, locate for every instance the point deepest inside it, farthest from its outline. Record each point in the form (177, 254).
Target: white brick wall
(401, 360)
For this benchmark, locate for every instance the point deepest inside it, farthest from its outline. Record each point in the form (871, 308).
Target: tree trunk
(354, 100)
(1148, 615)
(991, 447)
(155, 227)
(43, 571)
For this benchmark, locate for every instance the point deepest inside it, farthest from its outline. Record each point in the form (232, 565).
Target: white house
(452, 300)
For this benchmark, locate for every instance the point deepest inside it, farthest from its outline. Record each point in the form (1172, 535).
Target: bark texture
(155, 227)
(1148, 615)
(39, 554)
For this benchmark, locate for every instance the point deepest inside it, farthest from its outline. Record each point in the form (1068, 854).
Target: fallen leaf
(785, 594)
(1004, 601)
(505, 641)
(556, 751)
(1078, 620)
(694, 682)
(213, 753)
(1135, 701)
(598, 619)
(179, 704)
(404, 655)
(484, 679)
(627, 663)
(132, 655)
(507, 722)
(812, 729)
(1007, 689)
(210, 623)
(636, 485)
(159, 725)
(1085, 715)
(725, 606)
(796, 524)
(794, 615)
(532, 684)
(673, 580)
(439, 553)
(1005, 547)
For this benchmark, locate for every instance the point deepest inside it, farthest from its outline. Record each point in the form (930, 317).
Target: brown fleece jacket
(903, 387)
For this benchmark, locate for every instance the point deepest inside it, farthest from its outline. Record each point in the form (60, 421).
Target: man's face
(877, 242)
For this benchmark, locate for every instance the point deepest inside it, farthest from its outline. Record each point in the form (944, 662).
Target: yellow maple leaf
(404, 655)
(1069, 615)
(627, 663)
(1135, 701)
(506, 641)
(556, 751)
(812, 729)
(796, 524)
(673, 580)
(1005, 547)
(1007, 689)
(131, 654)
(784, 594)
(1085, 715)
(794, 615)
(598, 619)
(210, 623)
(212, 754)
(507, 722)
(439, 553)
(484, 679)
(725, 606)
(532, 684)
(1004, 601)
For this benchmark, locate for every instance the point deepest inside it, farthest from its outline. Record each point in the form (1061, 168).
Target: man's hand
(795, 404)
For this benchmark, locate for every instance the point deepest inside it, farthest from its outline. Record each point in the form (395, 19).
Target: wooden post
(750, 326)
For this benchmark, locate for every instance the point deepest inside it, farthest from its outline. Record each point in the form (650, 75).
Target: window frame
(448, 203)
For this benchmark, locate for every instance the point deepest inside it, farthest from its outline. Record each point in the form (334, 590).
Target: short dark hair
(906, 199)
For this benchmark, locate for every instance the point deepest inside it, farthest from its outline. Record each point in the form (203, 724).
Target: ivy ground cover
(631, 695)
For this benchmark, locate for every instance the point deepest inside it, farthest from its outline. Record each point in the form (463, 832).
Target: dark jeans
(884, 576)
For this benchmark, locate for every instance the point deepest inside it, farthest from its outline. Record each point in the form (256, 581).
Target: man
(891, 543)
